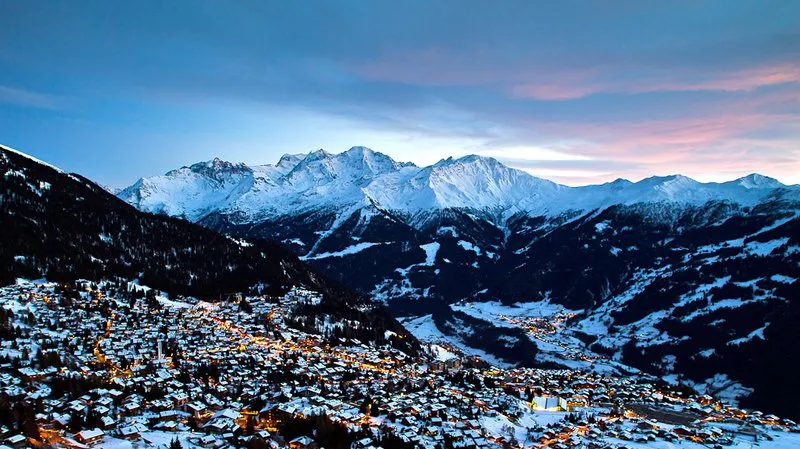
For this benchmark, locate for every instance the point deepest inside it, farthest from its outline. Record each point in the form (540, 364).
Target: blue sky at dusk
(575, 91)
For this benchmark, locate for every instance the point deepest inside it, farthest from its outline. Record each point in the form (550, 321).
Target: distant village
(117, 365)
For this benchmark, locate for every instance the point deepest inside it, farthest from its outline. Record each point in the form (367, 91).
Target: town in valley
(114, 364)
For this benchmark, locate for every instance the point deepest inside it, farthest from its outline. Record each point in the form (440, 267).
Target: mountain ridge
(360, 177)
(28, 178)
(63, 227)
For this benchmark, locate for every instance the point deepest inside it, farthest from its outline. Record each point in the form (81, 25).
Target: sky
(580, 92)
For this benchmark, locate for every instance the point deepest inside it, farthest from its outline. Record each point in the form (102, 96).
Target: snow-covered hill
(374, 222)
(360, 177)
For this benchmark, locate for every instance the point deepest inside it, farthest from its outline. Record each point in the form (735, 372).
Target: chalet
(436, 365)
(209, 441)
(131, 408)
(223, 421)
(197, 409)
(168, 415)
(180, 400)
(571, 403)
(16, 441)
(453, 363)
(108, 422)
(91, 436)
(303, 442)
(167, 425)
(130, 433)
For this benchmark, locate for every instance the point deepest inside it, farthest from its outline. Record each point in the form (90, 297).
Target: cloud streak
(28, 99)
(574, 86)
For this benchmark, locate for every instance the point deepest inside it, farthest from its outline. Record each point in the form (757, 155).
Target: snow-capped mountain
(335, 209)
(404, 232)
(295, 184)
(361, 177)
(667, 274)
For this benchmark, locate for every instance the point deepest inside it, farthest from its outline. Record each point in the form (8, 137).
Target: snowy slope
(361, 177)
(448, 230)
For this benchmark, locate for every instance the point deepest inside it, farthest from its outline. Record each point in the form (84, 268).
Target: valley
(663, 275)
(353, 224)
(626, 326)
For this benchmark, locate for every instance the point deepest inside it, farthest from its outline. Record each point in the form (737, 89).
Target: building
(303, 442)
(90, 436)
(550, 403)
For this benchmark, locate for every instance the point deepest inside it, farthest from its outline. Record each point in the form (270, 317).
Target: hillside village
(381, 224)
(118, 365)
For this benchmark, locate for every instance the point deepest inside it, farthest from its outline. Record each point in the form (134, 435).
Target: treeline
(374, 326)
(65, 227)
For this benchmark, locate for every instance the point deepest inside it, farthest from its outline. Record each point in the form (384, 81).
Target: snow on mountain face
(191, 192)
(471, 182)
(289, 161)
(756, 181)
(361, 177)
(356, 167)
(217, 169)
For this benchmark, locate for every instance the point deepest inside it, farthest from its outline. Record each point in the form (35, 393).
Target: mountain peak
(667, 178)
(469, 159)
(289, 160)
(360, 150)
(477, 158)
(317, 155)
(374, 161)
(757, 181)
(216, 169)
(363, 154)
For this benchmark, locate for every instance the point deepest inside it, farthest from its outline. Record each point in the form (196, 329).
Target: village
(117, 365)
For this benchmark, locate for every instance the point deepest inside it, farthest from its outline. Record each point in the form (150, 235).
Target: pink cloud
(536, 79)
(572, 86)
(703, 147)
(724, 136)
(554, 91)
